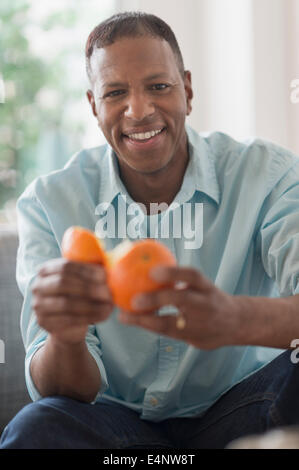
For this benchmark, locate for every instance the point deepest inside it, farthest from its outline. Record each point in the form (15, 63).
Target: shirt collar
(110, 183)
(200, 174)
(201, 170)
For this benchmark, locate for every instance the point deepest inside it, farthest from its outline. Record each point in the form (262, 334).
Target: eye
(114, 93)
(160, 86)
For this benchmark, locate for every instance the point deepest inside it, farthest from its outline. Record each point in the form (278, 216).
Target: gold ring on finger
(181, 322)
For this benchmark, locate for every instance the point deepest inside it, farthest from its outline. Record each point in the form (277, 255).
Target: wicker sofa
(13, 391)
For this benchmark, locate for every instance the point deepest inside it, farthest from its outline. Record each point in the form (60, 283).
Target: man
(102, 379)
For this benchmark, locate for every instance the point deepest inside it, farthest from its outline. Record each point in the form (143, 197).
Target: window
(44, 112)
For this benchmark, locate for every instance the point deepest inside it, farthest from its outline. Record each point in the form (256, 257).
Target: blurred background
(243, 55)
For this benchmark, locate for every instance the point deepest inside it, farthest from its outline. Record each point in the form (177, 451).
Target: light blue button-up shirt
(248, 193)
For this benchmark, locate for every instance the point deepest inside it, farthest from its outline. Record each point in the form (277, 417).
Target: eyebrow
(147, 79)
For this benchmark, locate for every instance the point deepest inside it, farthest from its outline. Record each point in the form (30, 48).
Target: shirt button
(169, 349)
(154, 401)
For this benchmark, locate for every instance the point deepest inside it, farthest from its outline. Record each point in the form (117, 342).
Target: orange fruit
(127, 265)
(82, 245)
(128, 270)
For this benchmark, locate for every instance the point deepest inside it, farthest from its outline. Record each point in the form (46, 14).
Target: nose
(139, 106)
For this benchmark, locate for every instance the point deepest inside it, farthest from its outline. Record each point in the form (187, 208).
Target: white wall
(292, 53)
(225, 46)
(270, 69)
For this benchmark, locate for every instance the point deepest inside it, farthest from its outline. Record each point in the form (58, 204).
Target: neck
(158, 187)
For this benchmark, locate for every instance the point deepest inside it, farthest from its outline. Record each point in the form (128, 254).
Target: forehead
(133, 56)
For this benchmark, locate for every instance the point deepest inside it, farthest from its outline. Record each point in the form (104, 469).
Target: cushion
(13, 391)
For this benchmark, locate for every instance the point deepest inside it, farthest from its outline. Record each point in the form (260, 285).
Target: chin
(150, 169)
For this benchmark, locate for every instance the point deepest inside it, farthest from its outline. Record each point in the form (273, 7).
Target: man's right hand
(69, 296)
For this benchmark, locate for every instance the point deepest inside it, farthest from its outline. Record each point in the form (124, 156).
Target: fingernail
(158, 273)
(139, 301)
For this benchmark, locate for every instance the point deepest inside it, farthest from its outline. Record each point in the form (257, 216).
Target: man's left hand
(211, 316)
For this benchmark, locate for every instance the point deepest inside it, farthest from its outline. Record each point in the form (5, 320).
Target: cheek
(178, 108)
(103, 115)
(106, 120)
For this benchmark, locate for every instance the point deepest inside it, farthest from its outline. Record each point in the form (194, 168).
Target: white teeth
(144, 135)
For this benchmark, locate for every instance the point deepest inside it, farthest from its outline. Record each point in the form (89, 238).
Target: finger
(177, 274)
(87, 271)
(179, 298)
(55, 285)
(56, 323)
(165, 325)
(48, 306)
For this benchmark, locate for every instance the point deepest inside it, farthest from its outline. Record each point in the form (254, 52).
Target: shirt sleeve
(37, 244)
(279, 234)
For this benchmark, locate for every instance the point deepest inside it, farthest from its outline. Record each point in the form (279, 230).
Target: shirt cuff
(104, 381)
(32, 390)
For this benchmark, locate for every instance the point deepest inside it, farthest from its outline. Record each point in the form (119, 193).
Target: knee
(34, 427)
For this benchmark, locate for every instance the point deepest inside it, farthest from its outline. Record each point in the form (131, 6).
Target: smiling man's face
(141, 101)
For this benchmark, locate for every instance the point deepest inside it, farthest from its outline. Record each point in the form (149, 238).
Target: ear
(91, 100)
(188, 90)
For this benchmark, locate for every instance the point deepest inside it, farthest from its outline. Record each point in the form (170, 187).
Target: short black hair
(131, 24)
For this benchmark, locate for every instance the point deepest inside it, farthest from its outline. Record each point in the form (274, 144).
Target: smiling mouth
(144, 137)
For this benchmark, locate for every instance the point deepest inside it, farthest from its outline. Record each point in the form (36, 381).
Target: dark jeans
(265, 400)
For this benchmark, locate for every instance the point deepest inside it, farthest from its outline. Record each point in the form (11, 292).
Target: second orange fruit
(129, 267)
